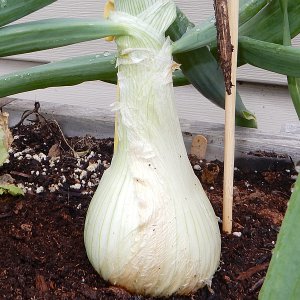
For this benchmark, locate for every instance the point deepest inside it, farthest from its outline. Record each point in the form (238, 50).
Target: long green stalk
(293, 82)
(269, 56)
(52, 33)
(205, 33)
(203, 71)
(12, 10)
(66, 73)
(283, 277)
(265, 25)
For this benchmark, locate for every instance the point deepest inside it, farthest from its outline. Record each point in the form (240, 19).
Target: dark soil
(42, 254)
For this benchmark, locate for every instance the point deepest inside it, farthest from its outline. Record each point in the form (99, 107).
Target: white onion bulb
(150, 227)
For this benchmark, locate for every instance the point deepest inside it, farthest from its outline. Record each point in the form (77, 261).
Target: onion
(150, 227)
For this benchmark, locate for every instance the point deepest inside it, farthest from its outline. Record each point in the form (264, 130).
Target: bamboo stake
(233, 14)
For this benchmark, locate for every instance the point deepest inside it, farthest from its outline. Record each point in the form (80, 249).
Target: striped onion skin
(150, 227)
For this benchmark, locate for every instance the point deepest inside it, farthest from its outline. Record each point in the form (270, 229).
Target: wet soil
(42, 254)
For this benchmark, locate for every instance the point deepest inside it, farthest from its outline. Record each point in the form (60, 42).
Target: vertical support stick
(233, 13)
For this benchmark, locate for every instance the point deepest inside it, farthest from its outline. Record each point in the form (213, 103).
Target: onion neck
(147, 117)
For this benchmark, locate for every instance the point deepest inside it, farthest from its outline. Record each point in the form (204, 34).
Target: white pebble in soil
(36, 157)
(27, 150)
(51, 164)
(39, 189)
(247, 184)
(53, 187)
(78, 162)
(42, 156)
(75, 176)
(197, 167)
(92, 154)
(237, 233)
(83, 174)
(76, 186)
(63, 178)
(106, 164)
(77, 170)
(92, 167)
(17, 154)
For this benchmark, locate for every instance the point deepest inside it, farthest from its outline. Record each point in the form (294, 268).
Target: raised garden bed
(42, 254)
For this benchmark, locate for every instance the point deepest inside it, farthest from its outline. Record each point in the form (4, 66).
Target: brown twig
(35, 111)
(21, 174)
(27, 113)
(251, 271)
(225, 47)
(65, 140)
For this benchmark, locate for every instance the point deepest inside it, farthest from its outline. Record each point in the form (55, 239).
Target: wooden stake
(233, 14)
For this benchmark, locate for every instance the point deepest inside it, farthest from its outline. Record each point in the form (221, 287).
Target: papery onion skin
(150, 227)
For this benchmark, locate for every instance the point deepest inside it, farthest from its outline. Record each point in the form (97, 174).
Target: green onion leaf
(293, 82)
(52, 33)
(202, 70)
(283, 277)
(12, 10)
(205, 33)
(269, 56)
(68, 72)
(63, 73)
(265, 25)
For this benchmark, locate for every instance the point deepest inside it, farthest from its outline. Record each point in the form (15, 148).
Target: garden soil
(42, 253)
